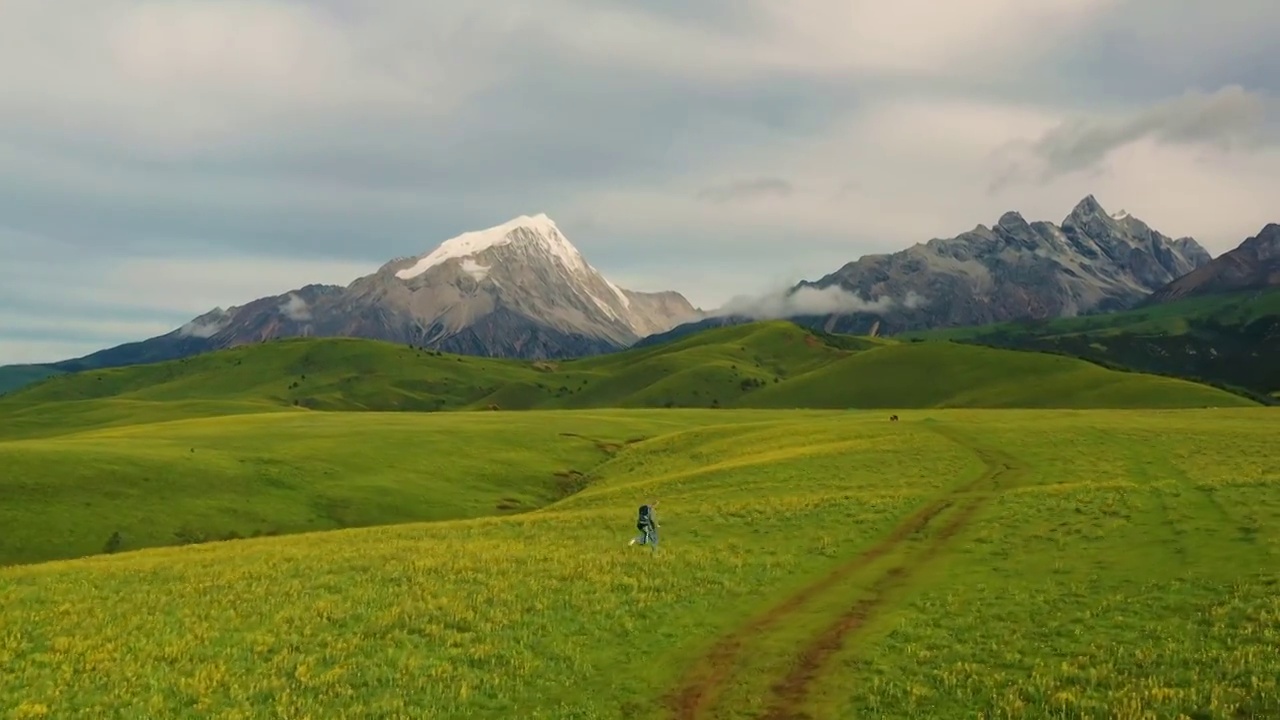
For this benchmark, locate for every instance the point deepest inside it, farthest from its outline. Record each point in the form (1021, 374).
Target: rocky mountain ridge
(518, 290)
(1013, 270)
(1253, 265)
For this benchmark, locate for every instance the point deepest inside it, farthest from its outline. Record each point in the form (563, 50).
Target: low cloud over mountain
(807, 300)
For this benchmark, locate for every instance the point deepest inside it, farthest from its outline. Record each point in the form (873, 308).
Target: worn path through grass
(843, 600)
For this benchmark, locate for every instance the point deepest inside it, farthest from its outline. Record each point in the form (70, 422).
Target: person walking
(647, 524)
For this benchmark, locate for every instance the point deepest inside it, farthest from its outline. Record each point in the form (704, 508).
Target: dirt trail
(702, 684)
(791, 693)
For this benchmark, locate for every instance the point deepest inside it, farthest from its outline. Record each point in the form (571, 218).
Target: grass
(227, 445)
(278, 473)
(1125, 576)
(1043, 561)
(1074, 564)
(1174, 318)
(767, 365)
(953, 375)
(1226, 340)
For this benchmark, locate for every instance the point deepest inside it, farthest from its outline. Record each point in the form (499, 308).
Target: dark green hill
(772, 364)
(1230, 340)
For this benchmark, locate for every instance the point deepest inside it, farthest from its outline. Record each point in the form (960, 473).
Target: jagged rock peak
(1087, 208)
(1266, 242)
(1012, 220)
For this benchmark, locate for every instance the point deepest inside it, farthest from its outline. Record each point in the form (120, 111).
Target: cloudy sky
(159, 158)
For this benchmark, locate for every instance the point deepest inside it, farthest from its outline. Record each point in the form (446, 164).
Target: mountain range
(1015, 269)
(522, 290)
(1254, 265)
(517, 290)
(1219, 324)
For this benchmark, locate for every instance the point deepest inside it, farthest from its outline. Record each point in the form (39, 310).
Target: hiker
(647, 524)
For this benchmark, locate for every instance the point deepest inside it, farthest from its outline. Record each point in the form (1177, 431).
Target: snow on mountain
(475, 269)
(538, 228)
(527, 261)
(518, 289)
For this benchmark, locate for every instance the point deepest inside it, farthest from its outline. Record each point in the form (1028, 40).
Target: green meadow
(762, 365)
(1035, 537)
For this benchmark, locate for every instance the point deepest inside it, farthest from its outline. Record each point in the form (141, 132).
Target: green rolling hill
(1006, 562)
(312, 434)
(1229, 340)
(928, 551)
(1226, 340)
(766, 365)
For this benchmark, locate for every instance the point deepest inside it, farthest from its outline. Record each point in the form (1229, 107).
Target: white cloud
(910, 169)
(188, 76)
(785, 302)
(919, 38)
(203, 327)
(295, 308)
(158, 159)
(923, 36)
(1228, 119)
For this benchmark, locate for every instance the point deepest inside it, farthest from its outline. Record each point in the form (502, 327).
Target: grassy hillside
(277, 473)
(951, 375)
(1230, 339)
(1009, 563)
(227, 444)
(318, 373)
(760, 365)
(1175, 318)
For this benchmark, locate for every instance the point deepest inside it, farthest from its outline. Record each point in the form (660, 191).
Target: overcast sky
(161, 158)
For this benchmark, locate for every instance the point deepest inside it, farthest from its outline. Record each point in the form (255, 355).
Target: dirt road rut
(697, 694)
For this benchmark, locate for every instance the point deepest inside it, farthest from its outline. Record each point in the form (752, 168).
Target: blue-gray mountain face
(1092, 262)
(1254, 265)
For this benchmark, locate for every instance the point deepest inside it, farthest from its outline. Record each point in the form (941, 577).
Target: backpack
(644, 518)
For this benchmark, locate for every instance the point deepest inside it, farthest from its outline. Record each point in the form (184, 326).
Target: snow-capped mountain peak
(525, 228)
(497, 256)
(525, 265)
(519, 289)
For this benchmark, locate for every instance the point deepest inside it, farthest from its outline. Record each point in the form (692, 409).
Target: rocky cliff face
(1092, 262)
(1254, 265)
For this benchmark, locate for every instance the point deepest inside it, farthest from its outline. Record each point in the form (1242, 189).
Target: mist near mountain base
(806, 300)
